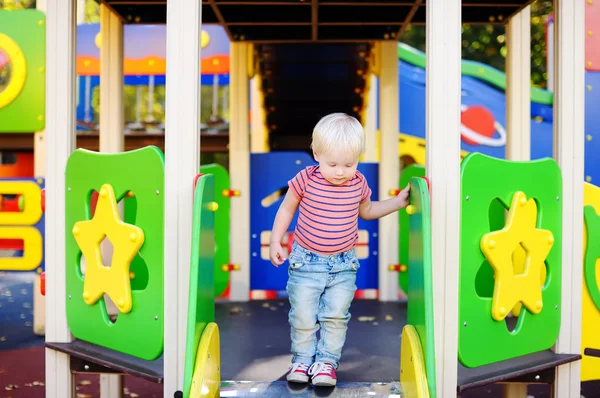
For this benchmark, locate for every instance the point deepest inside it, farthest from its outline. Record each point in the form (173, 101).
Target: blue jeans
(320, 289)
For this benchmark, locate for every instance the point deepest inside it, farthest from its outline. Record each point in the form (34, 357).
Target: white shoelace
(318, 367)
(298, 366)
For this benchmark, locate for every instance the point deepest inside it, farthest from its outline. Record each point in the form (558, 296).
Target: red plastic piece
(428, 183)
(43, 283)
(44, 200)
(196, 179)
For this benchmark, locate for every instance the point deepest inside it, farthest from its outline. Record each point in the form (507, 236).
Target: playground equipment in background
(590, 342)
(22, 70)
(134, 342)
(21, 224)
(144, 65)
(489, 270)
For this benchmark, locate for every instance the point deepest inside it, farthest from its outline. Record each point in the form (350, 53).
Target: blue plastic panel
(270, 172)
(474, 93)
(592, 127)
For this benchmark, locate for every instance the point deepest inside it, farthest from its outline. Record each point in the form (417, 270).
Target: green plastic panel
(201, 304)
(487, 188)
(139, 332)
(22, 101)
(406, 175)
(592, 222)
(420, 282)
(221, 183)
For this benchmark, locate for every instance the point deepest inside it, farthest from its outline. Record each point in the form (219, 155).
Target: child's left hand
(404, 197)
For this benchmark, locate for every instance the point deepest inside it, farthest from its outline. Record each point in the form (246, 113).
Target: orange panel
(23, 168)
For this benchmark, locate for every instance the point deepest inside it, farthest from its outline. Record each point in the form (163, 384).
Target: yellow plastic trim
(32, 249)
(18, 73)
(206, 380)
(127, 240)
(590, 366)
(511, 287)
(413, 378)
(32, 197)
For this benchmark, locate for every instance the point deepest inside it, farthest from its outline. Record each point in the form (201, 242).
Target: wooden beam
(408, 18)
(315, 18)
(219, 16)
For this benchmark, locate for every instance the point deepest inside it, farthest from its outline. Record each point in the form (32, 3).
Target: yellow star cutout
(498, 248)
(126, 239)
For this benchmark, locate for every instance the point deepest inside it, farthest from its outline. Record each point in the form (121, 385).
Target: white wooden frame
(112, 109)
(60, 141)
(112, 140)
(443, 169)
(518, 112)
(182, 164)
(239, 171)
(371, 119)
(569, 99)
(389, 165)
(182, 156)
(39, 170)
(518, 86)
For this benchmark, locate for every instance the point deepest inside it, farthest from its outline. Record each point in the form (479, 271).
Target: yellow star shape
(127, 240)
(498, 248)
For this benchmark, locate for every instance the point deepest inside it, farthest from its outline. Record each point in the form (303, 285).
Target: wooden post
(569, 98)
(389, 165)
(443, 169)
(60, 125)
(518, 112)
(239, 171)
(182, 147)
(112, 115)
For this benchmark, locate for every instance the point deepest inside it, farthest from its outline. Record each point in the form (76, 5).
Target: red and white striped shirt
(328, 219)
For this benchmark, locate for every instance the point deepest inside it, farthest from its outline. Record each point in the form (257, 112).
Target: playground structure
(420, 317)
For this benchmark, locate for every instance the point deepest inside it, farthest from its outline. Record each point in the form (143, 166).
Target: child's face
(338, 166)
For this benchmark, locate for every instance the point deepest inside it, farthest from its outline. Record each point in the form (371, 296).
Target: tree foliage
(16, 4)
(487, 43)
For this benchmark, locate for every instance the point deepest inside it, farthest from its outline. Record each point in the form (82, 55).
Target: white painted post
(550, 54)
(112, 115)
(182, 147)
(258, 130)
(112, 109)
(80, 11)
(518, 112)
(239, 171)
(39, 170)
(443, 102)
(518, 87)
(569, 89)
(60, 140)
(389, 165)
(371, 121)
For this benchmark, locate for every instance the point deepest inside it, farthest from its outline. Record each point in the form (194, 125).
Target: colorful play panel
(590, 339)
(22, 71)
(510, 238)
(132, 279)
(22, 224)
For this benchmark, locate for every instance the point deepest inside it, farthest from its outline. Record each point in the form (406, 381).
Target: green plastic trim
(478, 70)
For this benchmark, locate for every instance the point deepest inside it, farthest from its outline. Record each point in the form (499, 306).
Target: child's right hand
(276, 254)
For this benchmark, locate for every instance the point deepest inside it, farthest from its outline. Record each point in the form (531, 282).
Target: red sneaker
(323, 374)
(298, 373)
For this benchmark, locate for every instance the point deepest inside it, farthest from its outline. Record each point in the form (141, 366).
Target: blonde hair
(338, 130)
